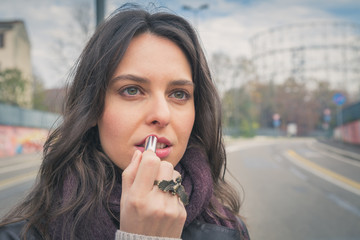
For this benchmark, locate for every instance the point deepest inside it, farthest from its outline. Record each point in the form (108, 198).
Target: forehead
(152, 55)
(148, 44)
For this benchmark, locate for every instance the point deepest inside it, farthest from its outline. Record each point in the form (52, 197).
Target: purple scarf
(197, 181)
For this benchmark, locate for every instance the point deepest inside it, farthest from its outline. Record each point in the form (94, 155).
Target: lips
(163, 146)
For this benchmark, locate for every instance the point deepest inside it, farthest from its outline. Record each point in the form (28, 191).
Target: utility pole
(195, 12)
(100, 11)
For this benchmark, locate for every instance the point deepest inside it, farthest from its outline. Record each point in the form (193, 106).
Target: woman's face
(151, 93)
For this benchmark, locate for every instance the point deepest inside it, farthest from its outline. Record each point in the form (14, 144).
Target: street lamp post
(195, 12)
(100, 11)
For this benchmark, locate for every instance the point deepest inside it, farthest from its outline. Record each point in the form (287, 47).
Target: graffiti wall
(18, 140)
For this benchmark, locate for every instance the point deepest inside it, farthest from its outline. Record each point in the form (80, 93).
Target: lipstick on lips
(161, 146)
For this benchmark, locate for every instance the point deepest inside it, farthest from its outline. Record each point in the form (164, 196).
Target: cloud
(230, 33)
(227, 25)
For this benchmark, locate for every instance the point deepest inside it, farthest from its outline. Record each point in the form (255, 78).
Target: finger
(176, 174)
(129, 174)
(166, 170)
(165, 173)
(172, 206)
(147, 172)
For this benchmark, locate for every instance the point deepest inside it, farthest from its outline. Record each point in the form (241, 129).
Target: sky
(225, 26)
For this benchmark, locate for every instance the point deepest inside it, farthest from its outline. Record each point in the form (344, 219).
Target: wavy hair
(74, 146)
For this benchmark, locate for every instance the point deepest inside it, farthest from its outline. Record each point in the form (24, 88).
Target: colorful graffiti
(18, 140)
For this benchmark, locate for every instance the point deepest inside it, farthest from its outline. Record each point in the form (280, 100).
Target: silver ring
(175, 188)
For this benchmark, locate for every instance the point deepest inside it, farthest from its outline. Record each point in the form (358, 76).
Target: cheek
(109, 125)
(117, 121)
(184, 126)
(185, 123)
(189, 123)
(108, 132)
(114, 130)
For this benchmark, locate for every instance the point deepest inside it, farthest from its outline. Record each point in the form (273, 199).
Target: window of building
(1, 40)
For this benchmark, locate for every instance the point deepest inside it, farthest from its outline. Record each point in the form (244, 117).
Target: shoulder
(244, 231)
(13, 232)
(202, 230)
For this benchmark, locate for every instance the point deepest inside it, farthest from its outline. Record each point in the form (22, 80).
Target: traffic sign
(327, 115)
(276, 120)
(339, 99)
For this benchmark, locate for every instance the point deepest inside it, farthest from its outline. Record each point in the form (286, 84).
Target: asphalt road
(290, 188)
(296, 189)
(17, 176)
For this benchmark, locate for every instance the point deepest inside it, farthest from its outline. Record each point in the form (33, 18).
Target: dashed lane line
(324, 173)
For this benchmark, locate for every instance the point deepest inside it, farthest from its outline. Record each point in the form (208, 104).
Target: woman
(140, 75)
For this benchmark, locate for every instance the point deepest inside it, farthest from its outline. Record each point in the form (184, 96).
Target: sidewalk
(349, 150)
(340, 148)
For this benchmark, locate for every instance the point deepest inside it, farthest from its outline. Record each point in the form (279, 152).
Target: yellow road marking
(16, 180)
(328, 172)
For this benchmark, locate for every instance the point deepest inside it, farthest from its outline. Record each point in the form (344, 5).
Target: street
(291, 188)
(296, 189)
(17, 175)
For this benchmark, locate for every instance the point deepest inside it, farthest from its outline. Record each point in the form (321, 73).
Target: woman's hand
(144, 208)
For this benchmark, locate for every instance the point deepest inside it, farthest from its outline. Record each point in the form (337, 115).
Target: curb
(339, 151)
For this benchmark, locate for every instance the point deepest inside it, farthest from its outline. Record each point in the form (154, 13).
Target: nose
(158, 112)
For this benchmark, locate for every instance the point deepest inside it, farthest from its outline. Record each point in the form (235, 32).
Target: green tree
(322, 98)
(231, 76)
(12, 87)
(293, 103)
(263, 98)
(239, 113)
(39, 95)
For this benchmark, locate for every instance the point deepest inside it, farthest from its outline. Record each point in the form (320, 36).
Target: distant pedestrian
(141, 82)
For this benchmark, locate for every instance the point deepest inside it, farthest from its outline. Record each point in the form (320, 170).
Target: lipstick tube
(150, 143)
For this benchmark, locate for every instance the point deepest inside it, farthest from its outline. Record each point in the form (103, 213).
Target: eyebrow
(179, 82)
(129, 77)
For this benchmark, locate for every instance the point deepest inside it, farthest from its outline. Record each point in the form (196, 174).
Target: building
(310, 52)
(15, 53)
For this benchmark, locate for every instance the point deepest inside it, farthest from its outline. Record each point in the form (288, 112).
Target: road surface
(291, 188)
(296, 189)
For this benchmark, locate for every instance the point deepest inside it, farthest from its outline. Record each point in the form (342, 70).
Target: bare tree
(68, 48)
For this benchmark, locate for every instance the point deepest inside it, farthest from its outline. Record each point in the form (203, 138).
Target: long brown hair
(74, 147)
